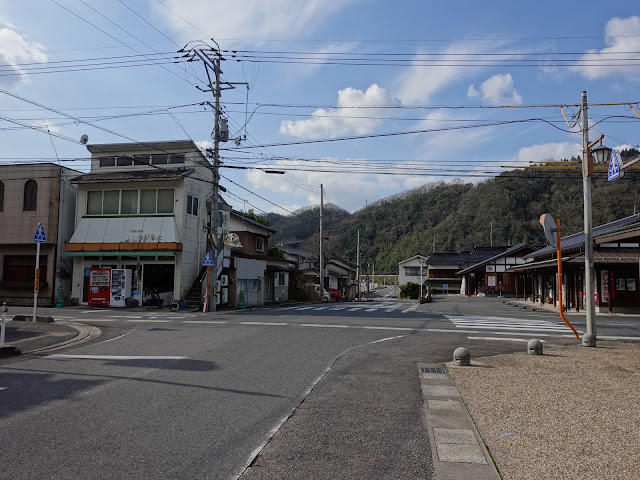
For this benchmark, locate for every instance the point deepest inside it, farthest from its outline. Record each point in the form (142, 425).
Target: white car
(322, 292)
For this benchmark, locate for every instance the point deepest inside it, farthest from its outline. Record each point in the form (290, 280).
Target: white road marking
(263, 323)
(116, 357)
(323, 325)
(150, 321)
(317, 309)
(389, 328)
(507, 339)
(370, 309)
(3, 388)
(127, 316)
(99, 320)
(204, 321)
(303, 308)
(611, 337)
(354, 309)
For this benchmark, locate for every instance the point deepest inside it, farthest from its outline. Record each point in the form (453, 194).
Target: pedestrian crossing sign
(207, 261)
(39, 236)
(615, 171)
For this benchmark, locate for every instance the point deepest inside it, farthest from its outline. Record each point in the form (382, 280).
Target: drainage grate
(433, 370)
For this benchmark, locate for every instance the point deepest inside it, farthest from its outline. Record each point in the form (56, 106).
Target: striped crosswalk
(387, 307)
(501, 323)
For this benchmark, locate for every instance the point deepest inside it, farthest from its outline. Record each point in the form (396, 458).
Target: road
(193, 395)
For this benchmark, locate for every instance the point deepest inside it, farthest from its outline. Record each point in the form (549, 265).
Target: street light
(602, 155)
(422, 263)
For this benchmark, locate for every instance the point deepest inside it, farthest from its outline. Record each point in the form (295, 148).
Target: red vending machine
(99, 287)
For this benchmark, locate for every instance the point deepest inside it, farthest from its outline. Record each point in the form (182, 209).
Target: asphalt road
(192, 395)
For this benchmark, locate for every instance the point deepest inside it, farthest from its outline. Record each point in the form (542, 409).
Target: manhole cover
(433, 370)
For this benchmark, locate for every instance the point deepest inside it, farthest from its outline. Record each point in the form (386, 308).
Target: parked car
(322, 292)
(335, 294)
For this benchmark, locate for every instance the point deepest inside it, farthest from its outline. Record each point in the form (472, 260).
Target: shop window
(259, 244)
(30, 195)
(1, 196)
(192, 205)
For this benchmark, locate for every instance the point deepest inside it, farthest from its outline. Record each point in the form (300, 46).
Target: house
(146, 208)
(616, 264)
(439, 270)
(340, 273)
(32, 194)
(490, 276)
(254, 277)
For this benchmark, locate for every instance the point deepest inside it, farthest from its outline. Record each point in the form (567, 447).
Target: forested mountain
(454, 216)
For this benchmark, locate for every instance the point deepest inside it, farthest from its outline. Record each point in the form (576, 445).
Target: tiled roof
(476, 255)
(147, 175)
(296, 251)
(504, 253)
(576, 240)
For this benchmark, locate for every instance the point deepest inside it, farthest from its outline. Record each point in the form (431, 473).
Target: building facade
(31, 194)
(146, 208)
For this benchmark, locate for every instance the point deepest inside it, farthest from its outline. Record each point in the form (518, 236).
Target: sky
(366, 97)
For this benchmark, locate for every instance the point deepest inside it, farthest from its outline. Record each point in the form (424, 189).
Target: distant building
(32, 194)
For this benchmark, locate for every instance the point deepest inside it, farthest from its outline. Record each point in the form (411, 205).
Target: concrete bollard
(534, 347)
(4, 311)
(588, 340)
(461, 357)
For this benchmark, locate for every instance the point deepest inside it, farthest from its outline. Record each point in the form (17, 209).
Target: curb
(457, 449)
(85, 334)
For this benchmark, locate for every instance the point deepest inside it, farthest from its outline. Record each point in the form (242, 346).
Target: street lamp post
(602, 155)
(421, 265)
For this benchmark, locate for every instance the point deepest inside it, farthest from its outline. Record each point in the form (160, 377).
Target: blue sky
(319, 71)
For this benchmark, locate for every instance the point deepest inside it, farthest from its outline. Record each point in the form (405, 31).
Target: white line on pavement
(323, 325)
(3, 388)
(611, 337)
(116, 357)
(262, 323)
(150, 321)
(354, 309)
(390, 328)
(126, 316)
(204, 321)
(506, 339)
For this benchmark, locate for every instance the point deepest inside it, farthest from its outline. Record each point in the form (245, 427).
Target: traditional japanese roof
(576, 240)
(506, 253)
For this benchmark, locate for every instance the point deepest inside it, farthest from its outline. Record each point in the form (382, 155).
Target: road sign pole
(36, 283)
(207, 300)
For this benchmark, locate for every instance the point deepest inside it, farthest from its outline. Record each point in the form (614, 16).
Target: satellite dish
(232, 240)
(550, 229)
(84, 139)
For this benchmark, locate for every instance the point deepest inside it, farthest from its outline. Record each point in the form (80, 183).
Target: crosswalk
(387, 307)
(508, 324)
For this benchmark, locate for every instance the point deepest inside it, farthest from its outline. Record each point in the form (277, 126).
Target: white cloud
(204, 144)
(16, 49)
(318, 57)
(342, 121)
(496, 90)
(47, 127)
(246, 19)
(621, 35)
(546, 152)
(350, 192)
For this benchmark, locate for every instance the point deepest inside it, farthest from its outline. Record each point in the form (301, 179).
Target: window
(281, 279)
(165, 200)
(125, 202)
(192, 205)
(124, 161)
(30, 195)
(147, 201)
(159, 159)
(414, 271)
(259, 244)
(176, 158)
(1, 196)
(94, 203)
(111, 202)
(129, 202)
(21, 268)
(108, 162)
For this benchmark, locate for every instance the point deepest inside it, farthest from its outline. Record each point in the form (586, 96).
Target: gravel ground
(572, 413)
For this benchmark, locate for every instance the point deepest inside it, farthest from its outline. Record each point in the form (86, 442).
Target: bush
(409, 290)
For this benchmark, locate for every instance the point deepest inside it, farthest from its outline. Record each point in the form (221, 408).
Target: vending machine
(99, 283)
(120, 286)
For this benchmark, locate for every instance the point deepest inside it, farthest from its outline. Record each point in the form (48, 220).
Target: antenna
(84, 139)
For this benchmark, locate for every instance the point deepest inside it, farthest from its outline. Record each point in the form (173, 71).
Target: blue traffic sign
(615, 164)
(208, 261)
(39, 236)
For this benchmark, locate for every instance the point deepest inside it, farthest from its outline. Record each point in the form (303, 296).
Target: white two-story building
(144, 207)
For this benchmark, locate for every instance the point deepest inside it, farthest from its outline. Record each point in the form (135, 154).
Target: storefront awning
(147, 253)
(126, 234)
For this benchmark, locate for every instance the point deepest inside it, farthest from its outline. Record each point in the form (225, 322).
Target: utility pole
(321, 239)
(358, 265)
(587, 171)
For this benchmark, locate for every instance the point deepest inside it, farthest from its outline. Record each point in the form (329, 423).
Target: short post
(4, 310)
